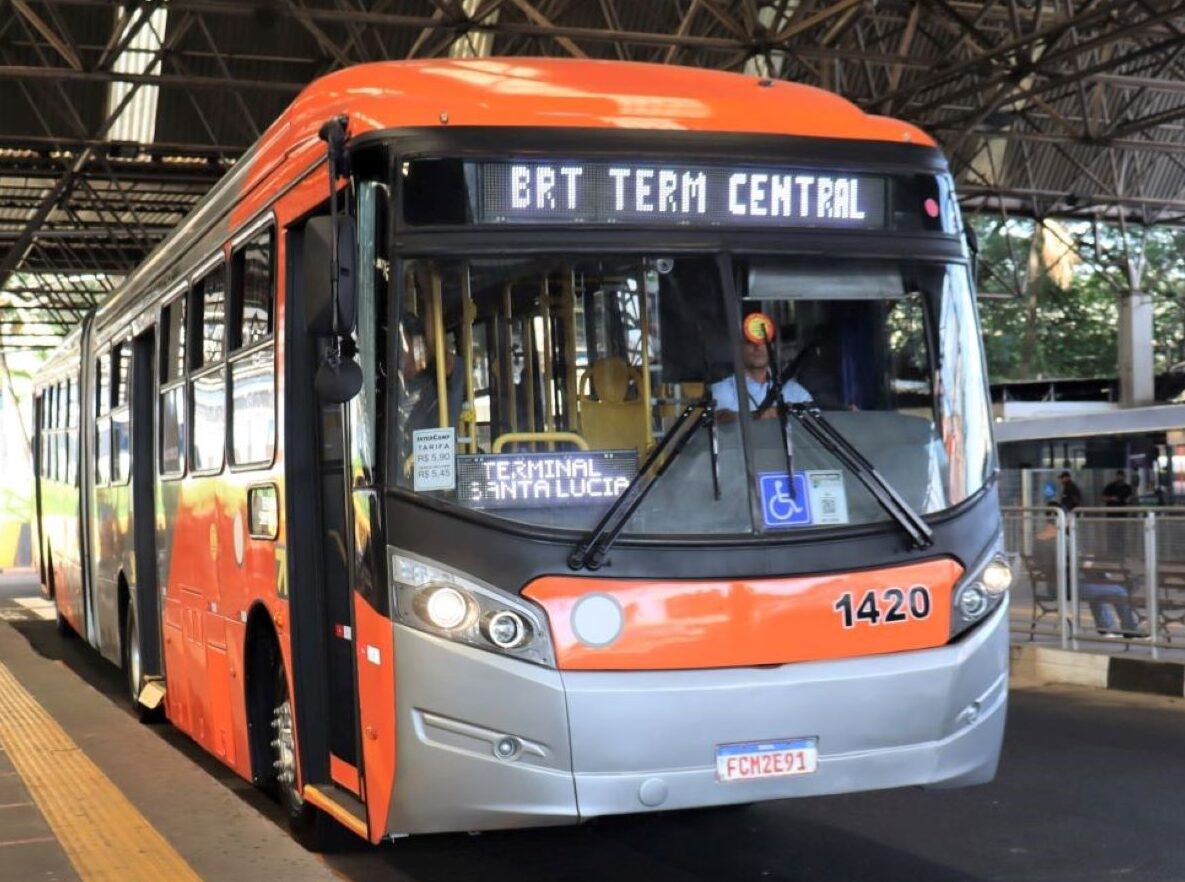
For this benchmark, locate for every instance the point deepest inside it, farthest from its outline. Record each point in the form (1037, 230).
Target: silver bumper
(591, 743)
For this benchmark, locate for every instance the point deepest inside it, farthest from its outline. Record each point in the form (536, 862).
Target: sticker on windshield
(435, 459)
(779, 506)
(818, 498)
(829, 500)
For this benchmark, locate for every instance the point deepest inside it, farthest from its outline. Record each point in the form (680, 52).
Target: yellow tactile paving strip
(104, 835)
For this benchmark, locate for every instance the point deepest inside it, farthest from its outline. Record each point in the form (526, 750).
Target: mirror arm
(333, 133)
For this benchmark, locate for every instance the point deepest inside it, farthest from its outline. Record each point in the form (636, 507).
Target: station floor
(1089, 789)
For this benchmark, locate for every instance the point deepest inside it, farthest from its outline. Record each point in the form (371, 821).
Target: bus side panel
(374, 639)
(182, 603)
(65, 523)
(112, 534)
(35, 525)
(220, 736)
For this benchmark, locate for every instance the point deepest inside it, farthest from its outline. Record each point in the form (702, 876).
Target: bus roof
(524, 92)
(550, 92)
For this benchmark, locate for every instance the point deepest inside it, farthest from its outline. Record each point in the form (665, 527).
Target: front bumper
(593, 743)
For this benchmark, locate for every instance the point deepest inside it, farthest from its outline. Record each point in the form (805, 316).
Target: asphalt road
(1090, 788)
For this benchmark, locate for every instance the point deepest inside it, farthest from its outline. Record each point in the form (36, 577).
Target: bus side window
(172, 395)
(52, 442)
(207, 387)
(102, 420)
(120, 430)
(48, 463)
(72, 431)
(252, 357)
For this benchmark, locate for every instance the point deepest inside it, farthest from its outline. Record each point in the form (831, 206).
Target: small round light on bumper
(972, 600)
(505, 629)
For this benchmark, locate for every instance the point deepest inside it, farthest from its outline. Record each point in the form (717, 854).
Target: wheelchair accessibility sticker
(818, 498)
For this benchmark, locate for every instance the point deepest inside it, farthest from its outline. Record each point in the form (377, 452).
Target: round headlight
(505, 629)
(997, 576)
(445, 607)
(972, 600)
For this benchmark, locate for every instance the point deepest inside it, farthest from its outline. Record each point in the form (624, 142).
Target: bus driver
(758, 328)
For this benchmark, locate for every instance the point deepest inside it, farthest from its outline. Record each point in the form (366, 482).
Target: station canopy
(117, 118)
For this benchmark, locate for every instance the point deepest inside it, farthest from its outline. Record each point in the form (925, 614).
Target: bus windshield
(532, 388)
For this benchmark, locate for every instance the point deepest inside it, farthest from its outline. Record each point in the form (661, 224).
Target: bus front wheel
(311, 827)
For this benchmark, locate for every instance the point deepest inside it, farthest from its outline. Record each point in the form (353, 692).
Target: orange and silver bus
(515, 442)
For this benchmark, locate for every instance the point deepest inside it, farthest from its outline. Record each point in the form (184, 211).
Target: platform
(87, 793)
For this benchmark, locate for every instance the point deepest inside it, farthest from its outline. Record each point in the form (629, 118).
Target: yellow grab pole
(468, 316)
(438, 333)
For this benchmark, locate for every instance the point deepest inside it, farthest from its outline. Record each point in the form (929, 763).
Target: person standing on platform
(1116, 495)
(1071, 496)
(1119, 492)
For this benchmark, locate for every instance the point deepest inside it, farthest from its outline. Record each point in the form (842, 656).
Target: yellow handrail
(516, 437)
(438, 333)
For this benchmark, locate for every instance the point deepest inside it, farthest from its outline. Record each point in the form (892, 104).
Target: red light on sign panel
(931, 206)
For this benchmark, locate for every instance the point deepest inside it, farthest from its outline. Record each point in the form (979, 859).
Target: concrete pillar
(1135, 347)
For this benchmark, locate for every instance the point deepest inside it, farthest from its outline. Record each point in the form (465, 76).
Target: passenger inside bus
(756, 347)
(419, 399)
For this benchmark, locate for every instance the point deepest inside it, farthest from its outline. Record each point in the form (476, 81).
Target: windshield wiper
(591, 550)
(811, 418)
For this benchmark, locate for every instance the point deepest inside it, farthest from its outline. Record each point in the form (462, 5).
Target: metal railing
(1098, 575)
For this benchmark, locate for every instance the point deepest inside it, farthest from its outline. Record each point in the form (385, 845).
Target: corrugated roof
(1082, 99)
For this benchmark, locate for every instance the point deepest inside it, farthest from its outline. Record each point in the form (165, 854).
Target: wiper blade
(591, 550)
(812, 419)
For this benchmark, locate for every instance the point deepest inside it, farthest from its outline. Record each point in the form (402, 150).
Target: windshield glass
(532, 388)
(890, 353)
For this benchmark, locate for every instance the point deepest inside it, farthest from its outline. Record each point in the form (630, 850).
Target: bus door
(143, 477)
(320, 550)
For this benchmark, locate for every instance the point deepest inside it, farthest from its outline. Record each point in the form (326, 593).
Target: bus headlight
(997, 576)
(443, 606)
(981, 590)
(432, 597)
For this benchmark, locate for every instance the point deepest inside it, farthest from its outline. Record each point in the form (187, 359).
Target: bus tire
(65, 629)
(133, 668)
(310, 826)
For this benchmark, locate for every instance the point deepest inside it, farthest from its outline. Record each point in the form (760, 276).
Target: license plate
(767, 759)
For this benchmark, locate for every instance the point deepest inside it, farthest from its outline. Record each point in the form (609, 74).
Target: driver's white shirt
(725, 392)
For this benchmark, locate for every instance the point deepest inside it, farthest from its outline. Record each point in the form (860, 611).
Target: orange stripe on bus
(715, 623)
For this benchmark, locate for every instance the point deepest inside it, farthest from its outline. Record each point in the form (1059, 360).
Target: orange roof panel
(571, 93)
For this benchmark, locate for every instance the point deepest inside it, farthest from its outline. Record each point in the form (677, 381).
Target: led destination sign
(520, 480)
(601, 192)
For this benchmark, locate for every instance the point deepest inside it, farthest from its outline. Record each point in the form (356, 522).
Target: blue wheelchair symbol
(778, 507)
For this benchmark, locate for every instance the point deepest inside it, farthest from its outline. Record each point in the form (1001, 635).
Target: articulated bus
(513, 442)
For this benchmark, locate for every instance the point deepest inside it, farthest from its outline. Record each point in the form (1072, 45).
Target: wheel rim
(284, 748)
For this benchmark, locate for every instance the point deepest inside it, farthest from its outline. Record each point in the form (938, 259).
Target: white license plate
(767, 759)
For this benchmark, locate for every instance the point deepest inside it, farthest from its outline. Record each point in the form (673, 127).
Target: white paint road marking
(39, 606)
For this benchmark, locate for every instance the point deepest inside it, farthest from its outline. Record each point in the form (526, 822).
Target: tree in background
(1050, 295)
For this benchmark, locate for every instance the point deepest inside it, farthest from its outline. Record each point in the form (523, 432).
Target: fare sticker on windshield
(435, 459)
(829, 500)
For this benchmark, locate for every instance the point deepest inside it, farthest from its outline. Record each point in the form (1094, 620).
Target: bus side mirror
(317, 262)
(339, 378)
